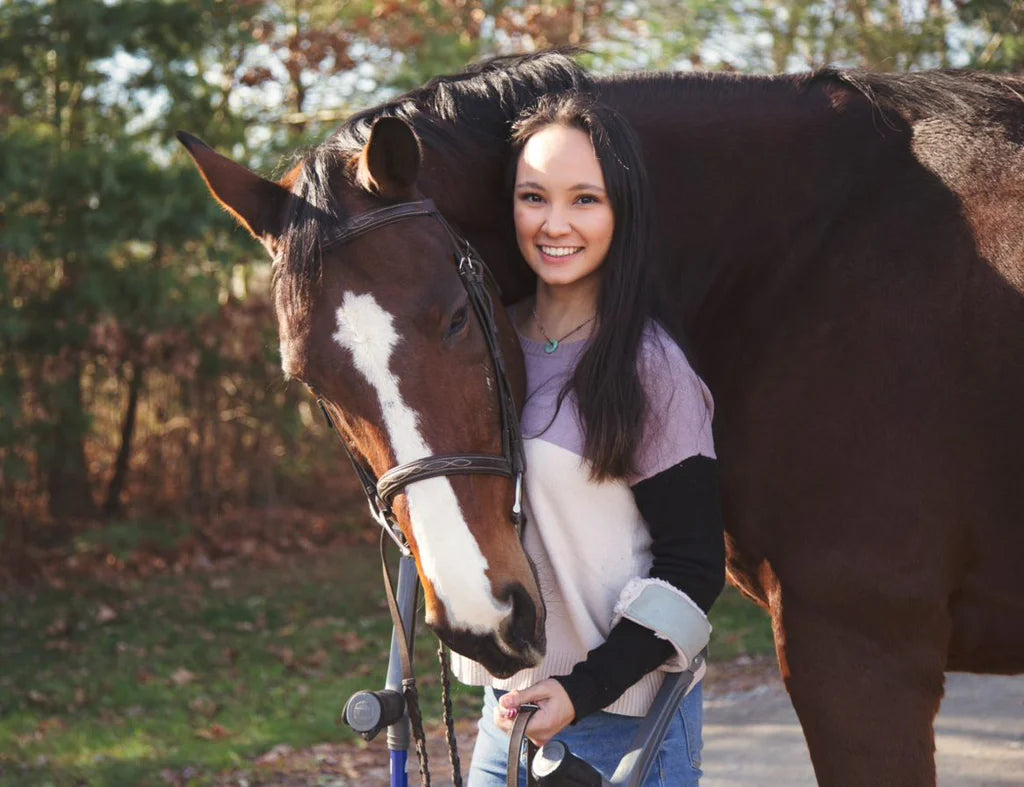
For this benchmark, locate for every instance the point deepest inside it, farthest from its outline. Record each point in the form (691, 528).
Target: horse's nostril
(519, 628)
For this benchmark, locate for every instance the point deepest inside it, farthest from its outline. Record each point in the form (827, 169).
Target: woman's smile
(560, 252)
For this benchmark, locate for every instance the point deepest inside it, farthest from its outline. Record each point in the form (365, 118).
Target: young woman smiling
(622, 502)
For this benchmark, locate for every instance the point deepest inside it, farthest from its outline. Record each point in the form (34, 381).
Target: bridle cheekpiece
(475, 277)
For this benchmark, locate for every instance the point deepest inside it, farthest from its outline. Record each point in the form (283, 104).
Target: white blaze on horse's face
(449, 555)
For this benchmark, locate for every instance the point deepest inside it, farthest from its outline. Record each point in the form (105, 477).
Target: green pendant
(551, 346)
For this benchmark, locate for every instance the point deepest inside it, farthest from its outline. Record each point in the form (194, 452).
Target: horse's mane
(486, 97)
(491, 94)
(975, 100)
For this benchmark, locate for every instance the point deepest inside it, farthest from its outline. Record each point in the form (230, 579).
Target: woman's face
(563, 216)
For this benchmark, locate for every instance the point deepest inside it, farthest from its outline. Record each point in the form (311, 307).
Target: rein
(380, 492)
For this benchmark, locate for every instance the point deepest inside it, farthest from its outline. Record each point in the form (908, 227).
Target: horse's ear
(258, 204)
(390, 163)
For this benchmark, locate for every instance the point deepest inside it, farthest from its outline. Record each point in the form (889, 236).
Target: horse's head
(378, 324)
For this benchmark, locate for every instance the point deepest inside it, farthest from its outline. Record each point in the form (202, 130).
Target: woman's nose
(556, 223)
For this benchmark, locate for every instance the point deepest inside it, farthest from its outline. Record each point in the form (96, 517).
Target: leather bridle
(475, 277)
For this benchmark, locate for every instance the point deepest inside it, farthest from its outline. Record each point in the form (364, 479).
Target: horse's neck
(467, 183)
(747, 175)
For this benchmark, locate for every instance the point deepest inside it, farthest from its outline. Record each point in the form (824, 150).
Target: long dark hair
(610, 396)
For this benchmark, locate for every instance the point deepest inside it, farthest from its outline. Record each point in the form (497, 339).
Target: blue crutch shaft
(399, 734)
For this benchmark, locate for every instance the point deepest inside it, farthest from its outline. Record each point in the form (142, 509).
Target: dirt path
(751, 738)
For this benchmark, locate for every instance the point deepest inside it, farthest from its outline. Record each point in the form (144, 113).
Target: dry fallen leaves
(42, 729)
(216, 732)
(204, 706)
(285, 655)
(350, 642)
(317, 658)
(181, 677)
(49, 725)
(276, 753)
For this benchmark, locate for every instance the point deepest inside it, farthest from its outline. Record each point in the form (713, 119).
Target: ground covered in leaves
(216, 658)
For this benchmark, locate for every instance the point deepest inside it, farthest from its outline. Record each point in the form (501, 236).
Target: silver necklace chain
(550, 344)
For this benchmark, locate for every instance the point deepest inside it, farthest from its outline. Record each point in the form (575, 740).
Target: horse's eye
(458, 322)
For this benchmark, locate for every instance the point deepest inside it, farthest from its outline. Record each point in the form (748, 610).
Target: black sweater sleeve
(682, 508)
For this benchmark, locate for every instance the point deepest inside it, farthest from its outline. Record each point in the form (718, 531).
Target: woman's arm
(682, 508)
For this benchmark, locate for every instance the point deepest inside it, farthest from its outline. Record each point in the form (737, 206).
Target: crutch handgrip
(554, 764)
(368, 712)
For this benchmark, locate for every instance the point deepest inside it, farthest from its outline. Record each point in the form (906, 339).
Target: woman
(621, 493)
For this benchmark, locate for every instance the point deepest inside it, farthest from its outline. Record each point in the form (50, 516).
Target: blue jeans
(600, 739)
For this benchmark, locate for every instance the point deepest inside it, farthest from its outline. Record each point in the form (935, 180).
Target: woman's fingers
(556, 710)
(539, 729)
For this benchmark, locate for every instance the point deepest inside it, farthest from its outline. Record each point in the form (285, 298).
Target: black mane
(486, 98)
(975, 99)
(490, 94)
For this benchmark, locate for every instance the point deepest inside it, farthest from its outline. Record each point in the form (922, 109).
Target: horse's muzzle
(518, 643)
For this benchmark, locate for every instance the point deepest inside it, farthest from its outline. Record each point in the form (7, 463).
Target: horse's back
(865, 361)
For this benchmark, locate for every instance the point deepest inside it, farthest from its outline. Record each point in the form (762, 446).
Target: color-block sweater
(588, 539)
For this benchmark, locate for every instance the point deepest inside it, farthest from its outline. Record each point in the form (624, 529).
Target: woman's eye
(587, 199)
(530, 197)
(458, 322)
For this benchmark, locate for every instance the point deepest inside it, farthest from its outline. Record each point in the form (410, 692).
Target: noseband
(475, 276)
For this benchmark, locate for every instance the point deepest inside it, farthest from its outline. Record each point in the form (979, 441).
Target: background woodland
(140, 388)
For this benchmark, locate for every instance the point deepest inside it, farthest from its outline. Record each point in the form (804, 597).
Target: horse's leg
(865, 686)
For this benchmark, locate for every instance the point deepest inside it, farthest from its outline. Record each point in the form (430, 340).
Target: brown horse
(844, 254)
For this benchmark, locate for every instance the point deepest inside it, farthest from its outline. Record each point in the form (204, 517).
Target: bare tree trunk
(14, 557)
(194, 439)
(936, 14)
(67, 478)
(829, 36)
(867, 36)
(113, 506)
(784, 34)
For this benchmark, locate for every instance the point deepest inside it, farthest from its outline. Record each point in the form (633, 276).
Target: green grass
(109, 686)
(740, 628)
(197, 674)
(121, 537)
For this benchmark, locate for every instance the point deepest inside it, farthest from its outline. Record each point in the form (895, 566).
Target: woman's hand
(556, 710)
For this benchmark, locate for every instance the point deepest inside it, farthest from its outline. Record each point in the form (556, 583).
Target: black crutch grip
(556, 766)
(369, 712)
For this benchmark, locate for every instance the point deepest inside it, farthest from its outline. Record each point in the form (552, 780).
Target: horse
(841, 252)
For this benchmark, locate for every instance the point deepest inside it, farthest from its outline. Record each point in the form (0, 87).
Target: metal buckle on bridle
(466, 265)
(517, 504)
